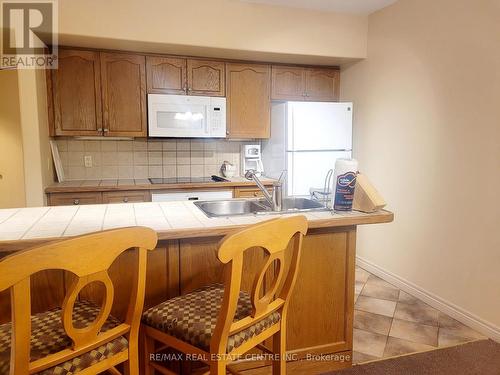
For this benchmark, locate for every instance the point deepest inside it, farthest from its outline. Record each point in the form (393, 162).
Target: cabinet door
(124, 94)
(322, 84)
(166, 75)
(206, 77)
(76, 90)
(248, 91)
(288, 83)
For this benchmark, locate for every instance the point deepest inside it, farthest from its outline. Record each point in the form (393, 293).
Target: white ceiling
(342, 6)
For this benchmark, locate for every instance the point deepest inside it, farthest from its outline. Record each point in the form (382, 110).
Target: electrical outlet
(88, 161)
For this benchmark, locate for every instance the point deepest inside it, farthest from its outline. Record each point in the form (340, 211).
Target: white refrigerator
(306, 140)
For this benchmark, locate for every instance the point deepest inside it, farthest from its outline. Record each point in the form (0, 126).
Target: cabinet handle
(255, 194)
(190, 89)
(227, 132)
(185, 89)
(99, 130)
(125, 200)
(106, 130)
(76, 202)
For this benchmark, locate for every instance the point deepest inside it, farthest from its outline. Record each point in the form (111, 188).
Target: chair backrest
(88, 257)
(274, 237)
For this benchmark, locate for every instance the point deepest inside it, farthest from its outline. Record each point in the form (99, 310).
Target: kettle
(228, 169)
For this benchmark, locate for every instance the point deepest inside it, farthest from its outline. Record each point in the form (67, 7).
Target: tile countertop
(172, 220)
(144, 184)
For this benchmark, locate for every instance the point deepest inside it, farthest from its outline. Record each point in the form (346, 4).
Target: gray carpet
(475, 358)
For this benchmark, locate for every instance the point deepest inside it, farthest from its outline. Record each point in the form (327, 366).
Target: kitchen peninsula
(320, 317)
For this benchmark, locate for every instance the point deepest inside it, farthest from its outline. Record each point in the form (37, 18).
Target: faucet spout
(275, 199)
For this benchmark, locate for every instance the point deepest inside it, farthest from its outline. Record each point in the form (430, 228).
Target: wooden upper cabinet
(248, 91)
(124, 94)
(171, 75)
(166, 75)
(206, 77)
(96, 93)
(76, 94)
(322, 84)
(288, 83)
(310, 84)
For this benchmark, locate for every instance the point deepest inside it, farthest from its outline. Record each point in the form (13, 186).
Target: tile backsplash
(117, 159)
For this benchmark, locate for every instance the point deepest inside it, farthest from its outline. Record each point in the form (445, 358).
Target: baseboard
(456, 312)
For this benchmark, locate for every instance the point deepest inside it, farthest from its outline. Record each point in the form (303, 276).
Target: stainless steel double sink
(235, 207)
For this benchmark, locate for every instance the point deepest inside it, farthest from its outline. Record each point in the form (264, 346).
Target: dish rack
(324, 196)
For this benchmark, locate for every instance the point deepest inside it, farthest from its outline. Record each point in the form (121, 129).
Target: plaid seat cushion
(48, 337)
(192, 317)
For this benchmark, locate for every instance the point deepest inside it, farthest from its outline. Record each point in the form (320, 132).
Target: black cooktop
(184, 180)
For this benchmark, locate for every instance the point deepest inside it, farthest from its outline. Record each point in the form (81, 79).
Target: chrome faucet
(275, 199)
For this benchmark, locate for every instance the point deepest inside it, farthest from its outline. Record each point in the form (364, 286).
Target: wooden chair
(79, 337)
(219, 322)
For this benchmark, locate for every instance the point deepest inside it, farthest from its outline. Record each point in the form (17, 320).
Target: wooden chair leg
(149, 348)
(218, 368)
(279, 348)
(131, 367)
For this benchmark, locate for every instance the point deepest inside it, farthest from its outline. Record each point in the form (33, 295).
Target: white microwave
(186, 116)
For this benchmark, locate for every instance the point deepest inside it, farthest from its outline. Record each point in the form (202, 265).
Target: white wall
(427, 132)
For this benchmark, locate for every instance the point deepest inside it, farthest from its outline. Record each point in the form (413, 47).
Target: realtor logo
(29, 34)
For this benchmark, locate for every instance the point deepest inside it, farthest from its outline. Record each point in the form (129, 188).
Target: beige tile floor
(389, 322)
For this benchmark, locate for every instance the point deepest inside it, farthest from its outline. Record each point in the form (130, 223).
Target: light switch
(88, 161)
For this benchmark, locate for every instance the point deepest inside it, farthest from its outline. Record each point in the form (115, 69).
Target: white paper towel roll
(344, 182)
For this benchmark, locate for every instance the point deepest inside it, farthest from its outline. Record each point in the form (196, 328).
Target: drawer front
(70, 199)
(248, 193)
(126, 196)
(191, 195)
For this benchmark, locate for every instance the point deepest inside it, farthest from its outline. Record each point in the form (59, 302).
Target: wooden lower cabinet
(70, 199)
(129, 196)
(321, 309)
(126, 196)
(83, 198)
(249, 193)
(320, 315)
